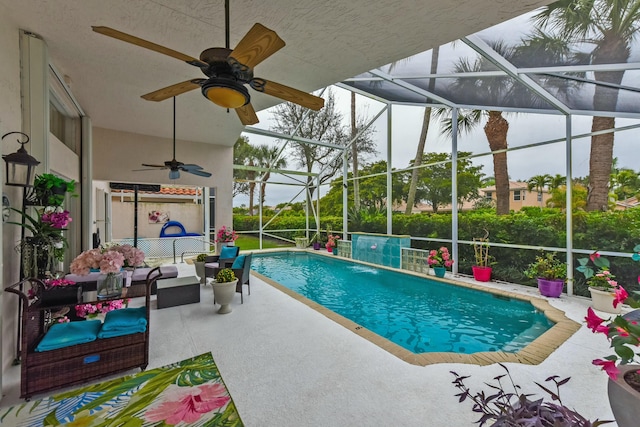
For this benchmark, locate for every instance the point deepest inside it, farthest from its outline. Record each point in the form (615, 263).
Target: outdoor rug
(186, 393)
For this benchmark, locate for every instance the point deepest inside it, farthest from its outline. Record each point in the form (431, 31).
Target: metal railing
(166, 247)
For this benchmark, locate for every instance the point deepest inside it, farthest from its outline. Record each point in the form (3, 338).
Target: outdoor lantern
(20, 165)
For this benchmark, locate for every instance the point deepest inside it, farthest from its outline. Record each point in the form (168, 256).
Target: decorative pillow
(62, 335)
(239, 262)
(228, 252)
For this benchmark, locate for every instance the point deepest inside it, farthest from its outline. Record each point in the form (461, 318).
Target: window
(488, 195)
(518, 195)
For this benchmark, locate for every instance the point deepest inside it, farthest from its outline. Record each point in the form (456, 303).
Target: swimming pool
(416, 313)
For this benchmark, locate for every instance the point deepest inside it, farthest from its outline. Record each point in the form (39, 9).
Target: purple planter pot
(550, 288)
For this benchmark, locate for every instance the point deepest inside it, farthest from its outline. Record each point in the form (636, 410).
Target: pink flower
(187, 404)
(593, 256)
(609, 366)
(621, 295)
(594, 322)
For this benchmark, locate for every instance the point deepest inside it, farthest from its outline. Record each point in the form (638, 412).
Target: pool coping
(533, 354)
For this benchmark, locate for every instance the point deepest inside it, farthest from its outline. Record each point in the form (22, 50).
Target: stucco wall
(190, 215)
(10, 120)
(116, 154)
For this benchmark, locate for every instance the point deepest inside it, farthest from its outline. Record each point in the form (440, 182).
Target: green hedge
(617, 231)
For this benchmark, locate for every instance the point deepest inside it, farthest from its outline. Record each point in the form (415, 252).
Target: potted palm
(224, 288)
(199, 264)
(482, 268)
(550, 272)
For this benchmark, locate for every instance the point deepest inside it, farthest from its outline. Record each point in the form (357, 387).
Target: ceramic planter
(550, 287)
(481, 274)
(335, 250)
(603, 301)
(200, 272)
(223, 294)
(439, 271)
(624, 399)
(301, 242)
(316, 246)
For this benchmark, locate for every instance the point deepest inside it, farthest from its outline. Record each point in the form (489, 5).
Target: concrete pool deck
(285, 364)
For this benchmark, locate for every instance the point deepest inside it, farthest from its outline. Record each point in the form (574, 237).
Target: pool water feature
(380, 249)
(418, 314)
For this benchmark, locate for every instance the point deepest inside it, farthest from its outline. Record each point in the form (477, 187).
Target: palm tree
(426, 121)
(609, 27)
(557, 181)
(539, 182)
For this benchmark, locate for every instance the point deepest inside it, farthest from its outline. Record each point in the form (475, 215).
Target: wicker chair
(225, 259)
(242, 273)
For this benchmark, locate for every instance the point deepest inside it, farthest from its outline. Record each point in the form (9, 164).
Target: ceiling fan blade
(188, 167)
(149, 45)
(147, 169)
(289, 94)
(257, 45)
(199, 172)
(247, 115)
(155, 166)
(173, 90)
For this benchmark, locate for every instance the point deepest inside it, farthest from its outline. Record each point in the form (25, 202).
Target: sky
(523, 129)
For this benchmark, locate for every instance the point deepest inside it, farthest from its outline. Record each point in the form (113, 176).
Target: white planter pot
(200, 272)
(603, 301)
(624, 399)
(223, 294)
(301, 242)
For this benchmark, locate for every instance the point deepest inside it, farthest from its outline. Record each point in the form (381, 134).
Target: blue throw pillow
(239, 262)
(228, 252)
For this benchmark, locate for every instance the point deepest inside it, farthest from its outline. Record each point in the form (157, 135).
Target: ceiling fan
(173, 165)
(227, 71)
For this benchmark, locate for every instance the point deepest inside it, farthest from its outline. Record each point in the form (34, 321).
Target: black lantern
(20, 165)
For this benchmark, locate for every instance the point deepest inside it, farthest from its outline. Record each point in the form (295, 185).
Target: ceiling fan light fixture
(226, 93)
(174, 174)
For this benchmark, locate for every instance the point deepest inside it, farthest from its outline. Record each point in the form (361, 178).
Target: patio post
(389, 176)
(454, 189)
(569, 202)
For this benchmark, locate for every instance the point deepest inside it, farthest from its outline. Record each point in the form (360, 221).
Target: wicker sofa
(43, 371)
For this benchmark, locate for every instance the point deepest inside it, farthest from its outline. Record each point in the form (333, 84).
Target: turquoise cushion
(66, 334)
(228, 252)
(120, 332)
(125, 318)
(239, 262)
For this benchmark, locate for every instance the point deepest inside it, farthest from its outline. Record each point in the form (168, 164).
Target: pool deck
(286, 364)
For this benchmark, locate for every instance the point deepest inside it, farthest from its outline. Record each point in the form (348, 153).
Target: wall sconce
(20, 165)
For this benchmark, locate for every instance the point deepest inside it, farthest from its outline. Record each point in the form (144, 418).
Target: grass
(248, 243)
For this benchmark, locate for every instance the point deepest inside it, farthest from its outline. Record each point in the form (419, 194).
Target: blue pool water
(418, 314)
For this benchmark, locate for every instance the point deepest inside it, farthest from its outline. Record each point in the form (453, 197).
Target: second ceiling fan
(227, 71)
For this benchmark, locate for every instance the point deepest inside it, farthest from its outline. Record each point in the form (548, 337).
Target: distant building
(631, 202)
(519, 195)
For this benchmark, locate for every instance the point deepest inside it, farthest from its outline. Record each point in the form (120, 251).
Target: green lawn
(248, 243)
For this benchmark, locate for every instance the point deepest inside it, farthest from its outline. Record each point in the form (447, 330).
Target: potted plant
(623, 333)
(332, 243)
(505, 408)
(550, 272)
(301, 241)
(317, 242)
(199, 263)
(226, 236)
(439, 260)
(224, 288)
(50, 189)
(482, 268)
(601, 282)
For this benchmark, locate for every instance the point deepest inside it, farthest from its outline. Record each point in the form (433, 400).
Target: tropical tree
(325, 125)
(556, 181)
(606, 28)
(625, 183)
(268, 157)
(426, 121)
(241, 156)
(434, 181)
(558, 197)
(538, 183)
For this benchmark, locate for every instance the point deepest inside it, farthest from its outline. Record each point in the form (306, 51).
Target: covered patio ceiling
(524, 83)
(327, 42)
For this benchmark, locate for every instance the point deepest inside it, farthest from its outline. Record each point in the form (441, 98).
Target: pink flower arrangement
(439, 258)
(623, 334)
(332, 241)
(108, 259)
(57, 282)
(89, 310)
(56, 217)
(226, 235)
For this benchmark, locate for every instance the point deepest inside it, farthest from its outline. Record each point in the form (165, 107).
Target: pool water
(418, 314)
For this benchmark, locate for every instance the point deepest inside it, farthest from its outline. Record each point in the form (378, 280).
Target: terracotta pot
(439, 271)
(624, 399)
(481, 274)
(603, 301)
(550, 287)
